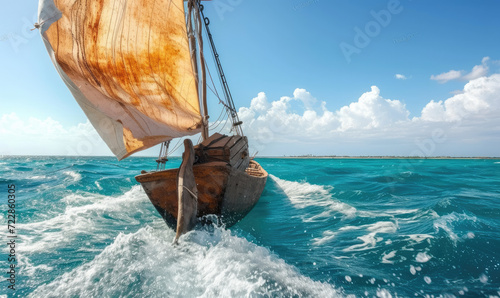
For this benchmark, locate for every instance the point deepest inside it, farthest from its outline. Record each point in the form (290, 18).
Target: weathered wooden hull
(223, 190)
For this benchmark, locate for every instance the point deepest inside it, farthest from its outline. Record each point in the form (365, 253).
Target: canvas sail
(128, 65)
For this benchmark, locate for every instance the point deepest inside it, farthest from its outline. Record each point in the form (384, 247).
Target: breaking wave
(303, 195)
(205, 264)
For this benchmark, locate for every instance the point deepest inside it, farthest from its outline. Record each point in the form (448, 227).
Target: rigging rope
(225, 86)
(229, 107)
(162, 158)
(177, 145)
(216, 123)
(212, 80)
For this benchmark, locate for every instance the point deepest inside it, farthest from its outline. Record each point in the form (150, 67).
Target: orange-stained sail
(128, 65)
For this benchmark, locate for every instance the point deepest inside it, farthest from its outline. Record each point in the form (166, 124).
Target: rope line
(192, 194)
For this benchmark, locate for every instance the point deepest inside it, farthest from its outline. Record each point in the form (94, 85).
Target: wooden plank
(242, 193)
(241, 146)
(237, 160)
(217, 152)
(239, 152)
(221, 143)
(217, 159)
(234, 140)
(242, 164)
(238, 139)
(212, 138)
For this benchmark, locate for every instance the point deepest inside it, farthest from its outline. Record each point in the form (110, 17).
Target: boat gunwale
(155, 175)
(261, 172)
(223, 166)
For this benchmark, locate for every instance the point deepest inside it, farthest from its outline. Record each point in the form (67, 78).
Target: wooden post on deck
(187, 192)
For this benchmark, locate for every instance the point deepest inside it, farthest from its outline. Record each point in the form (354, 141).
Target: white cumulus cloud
(477, 72)
(447, 76)
(466, 124)
(316, 122)
(371, 111)
(376, 125)
(48, 137)
(400, 76)
(480, 98)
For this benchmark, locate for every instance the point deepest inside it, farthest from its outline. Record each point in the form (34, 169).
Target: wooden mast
(198, 20)
(187, 192)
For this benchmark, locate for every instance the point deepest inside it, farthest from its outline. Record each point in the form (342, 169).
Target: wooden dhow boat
(138, 71)
(227, 183)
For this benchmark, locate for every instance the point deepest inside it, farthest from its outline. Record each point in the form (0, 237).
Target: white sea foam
(204, 264)
(86, 219)
(327, 237)
(401, 211)
(76, 176)
(42, 177)
(98, 185)
(303, 194)
(80, 198)
(383, 293)
(416, 215)
(370, 240)
(419, 237)
(447, 222)
(423, 257)
(28, 268)
(350, 228)
(341, 257)
(386, 257)
(382, 227)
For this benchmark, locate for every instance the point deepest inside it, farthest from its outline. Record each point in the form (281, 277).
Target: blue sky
(278, 47)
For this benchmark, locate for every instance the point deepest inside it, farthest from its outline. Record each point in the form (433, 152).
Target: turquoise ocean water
(322, 228)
